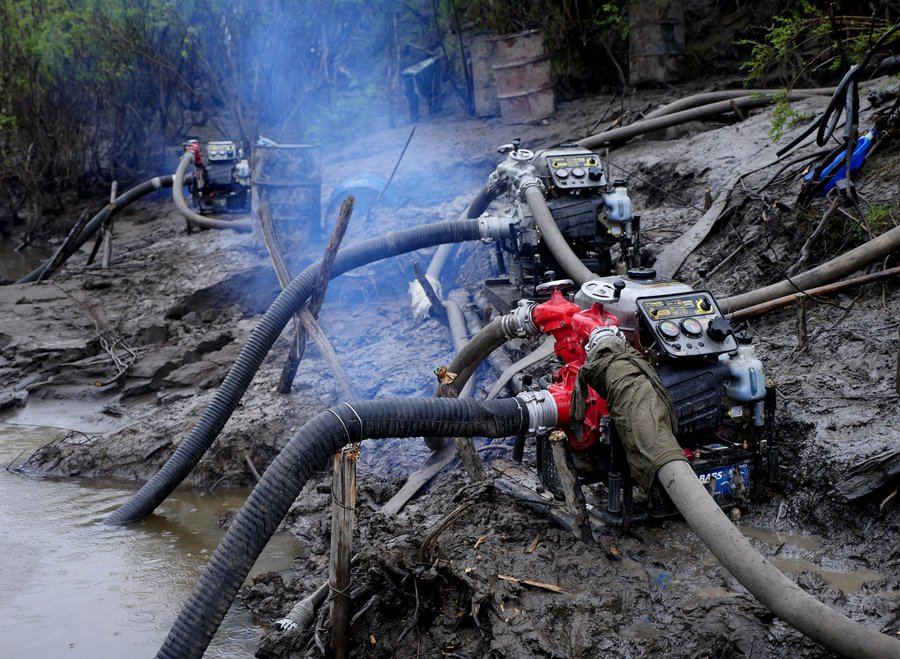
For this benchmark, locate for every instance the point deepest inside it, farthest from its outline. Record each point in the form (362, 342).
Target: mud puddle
(69, 587)
(15, 264)
(848, 581)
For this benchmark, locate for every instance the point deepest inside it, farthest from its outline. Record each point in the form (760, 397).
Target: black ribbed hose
(282, 482)
(466, 362)
(120, 202)
(260, 342)
(481, 201)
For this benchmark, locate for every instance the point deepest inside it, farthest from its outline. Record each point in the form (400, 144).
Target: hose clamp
(527, 180)
(518, 323)
(492, 227)
(598, 334)
(541, 408)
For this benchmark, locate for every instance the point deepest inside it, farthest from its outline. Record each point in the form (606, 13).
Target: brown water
(15, 264)
(70, 587)
(847, 581)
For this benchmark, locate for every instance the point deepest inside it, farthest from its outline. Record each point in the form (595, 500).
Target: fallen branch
(818, 231)
(529, 582)
(426, 551)
(417, 480)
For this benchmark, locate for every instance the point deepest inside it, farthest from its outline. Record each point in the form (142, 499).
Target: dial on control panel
(669, 330)
(692, 327)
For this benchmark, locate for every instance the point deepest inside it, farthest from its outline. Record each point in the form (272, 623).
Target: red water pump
(221, 180)
(571, 327)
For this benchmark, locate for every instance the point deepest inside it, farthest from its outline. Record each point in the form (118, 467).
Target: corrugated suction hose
(129, 196)
(260, 342)
(282, 482)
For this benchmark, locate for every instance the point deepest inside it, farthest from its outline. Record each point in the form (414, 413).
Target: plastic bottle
(618, 203)
(746, 380)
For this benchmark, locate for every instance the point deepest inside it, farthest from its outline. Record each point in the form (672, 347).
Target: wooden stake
(465, 447)
(107, 228)
(343, 506)
(65, 250)
(571, 488)
(436, 304)
(305, 323)
(331, 250)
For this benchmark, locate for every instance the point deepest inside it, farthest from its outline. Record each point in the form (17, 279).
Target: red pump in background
(572, 327)
(193, 146)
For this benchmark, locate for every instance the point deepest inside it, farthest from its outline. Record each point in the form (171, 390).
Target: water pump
(717, 386)
(220, 183)
(594, 215)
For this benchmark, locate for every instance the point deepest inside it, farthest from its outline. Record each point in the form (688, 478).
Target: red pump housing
(571, 327)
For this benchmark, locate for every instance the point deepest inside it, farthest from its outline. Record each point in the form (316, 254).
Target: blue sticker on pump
(724, 479)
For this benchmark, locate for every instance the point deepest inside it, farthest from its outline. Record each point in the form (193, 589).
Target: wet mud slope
(464, 570)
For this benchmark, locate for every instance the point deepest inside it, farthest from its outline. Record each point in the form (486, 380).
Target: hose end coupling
(541, 407)
(492, 227)
(527, 180)
(601, 333)
(519, 323)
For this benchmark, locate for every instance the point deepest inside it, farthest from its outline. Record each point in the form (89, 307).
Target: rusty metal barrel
(522, 74)
(656, 31)
(288, 177)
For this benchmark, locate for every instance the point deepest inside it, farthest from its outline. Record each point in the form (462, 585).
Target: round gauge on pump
(692, 327)
(578, 172)
(562, 172)
(669, 330)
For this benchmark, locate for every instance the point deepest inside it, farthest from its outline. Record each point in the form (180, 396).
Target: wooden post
(465, 447)
(343, 506)
(305, 323)
(107, 228)
(570, 487)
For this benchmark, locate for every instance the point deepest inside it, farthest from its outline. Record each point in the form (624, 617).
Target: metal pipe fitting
(519, 323)
(541, 407)
(493, 227)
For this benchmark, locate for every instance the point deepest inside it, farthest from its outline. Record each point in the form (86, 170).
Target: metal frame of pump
(593, 214)
(726, 424)
(221, 183)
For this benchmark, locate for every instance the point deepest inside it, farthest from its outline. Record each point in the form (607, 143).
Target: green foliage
(881, 217)
(99, 87)
(810, 41)
(804, 47)
(784, 116)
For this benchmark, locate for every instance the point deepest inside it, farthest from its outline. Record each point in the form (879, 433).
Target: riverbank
(184, 305)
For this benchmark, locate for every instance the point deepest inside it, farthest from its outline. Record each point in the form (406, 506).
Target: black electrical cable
(845, 99)
(260, 342)
(283, 481)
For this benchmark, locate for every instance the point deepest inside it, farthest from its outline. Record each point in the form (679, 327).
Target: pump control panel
(571, 169)
(687, 324)
(219, 151)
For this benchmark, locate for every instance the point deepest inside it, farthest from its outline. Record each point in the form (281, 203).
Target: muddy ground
(185, 304)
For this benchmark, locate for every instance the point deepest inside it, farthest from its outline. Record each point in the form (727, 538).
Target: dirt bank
(184, 306)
